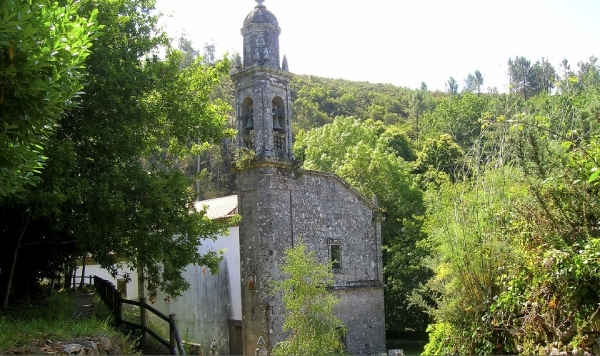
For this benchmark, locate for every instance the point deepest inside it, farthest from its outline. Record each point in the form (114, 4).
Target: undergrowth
(55, 318)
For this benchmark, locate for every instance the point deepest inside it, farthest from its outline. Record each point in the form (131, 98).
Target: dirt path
(85, 304)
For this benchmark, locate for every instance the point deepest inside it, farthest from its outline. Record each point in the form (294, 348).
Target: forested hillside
(490, 201)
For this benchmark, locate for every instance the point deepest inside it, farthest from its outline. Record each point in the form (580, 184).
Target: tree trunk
(11, 273)
(82, 282)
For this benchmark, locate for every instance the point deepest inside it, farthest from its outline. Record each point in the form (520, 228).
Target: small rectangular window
(336, 257)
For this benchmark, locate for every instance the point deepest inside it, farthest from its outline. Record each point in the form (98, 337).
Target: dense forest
(491, 216)
(490, 201)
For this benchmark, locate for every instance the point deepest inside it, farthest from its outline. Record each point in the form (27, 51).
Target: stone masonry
(281, 204)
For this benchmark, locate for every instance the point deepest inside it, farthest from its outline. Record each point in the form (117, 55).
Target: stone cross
(260, 2)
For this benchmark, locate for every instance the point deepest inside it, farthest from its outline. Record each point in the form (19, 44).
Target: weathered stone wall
(362, 311)
(282, 205)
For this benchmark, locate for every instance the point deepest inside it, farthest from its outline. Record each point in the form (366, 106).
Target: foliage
(42, 49)
(317, 101)
(528, 80)
(458, 116)
(443, 155)
(308, 306)
(365, 154)
(55, 318)
(243, 157)
(114, 186)
(467, 227)
(515, 247)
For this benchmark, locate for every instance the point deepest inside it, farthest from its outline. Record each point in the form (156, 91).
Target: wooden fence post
(172, 342)
(144, 321)
(118, 309)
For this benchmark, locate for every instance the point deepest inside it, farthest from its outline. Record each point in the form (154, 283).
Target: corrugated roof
(219, 208)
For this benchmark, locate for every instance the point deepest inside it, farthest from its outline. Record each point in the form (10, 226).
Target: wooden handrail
(114, 302)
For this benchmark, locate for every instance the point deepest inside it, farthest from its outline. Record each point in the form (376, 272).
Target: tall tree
(42, 49)
(452, 86)
(473, 82)
(119, 192)
(521, 76)
(417, 106)
(529, 80)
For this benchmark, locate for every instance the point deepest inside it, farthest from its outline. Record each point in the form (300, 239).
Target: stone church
(280, 204)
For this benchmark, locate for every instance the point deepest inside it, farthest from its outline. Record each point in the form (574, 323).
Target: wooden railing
(89, 281)
(114, 302)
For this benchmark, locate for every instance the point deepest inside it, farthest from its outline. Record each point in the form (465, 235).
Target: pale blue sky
(403, 42)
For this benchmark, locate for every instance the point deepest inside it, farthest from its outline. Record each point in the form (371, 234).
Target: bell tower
(282, 205)
(262, 89)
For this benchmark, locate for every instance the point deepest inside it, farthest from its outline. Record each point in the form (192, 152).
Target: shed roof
(219, 208)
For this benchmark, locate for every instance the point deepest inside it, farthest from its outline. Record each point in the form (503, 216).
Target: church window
(336, 256)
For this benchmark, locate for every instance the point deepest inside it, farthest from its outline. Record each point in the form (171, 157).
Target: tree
(308, 306)
(417, 105)
(115, 188)
(136, 133)
(474, 82)
(530, 80)
(43, 46)
(451, 86)
(444, 155)
(545, 76)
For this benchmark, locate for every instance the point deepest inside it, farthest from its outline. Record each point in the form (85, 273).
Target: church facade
(281, 205)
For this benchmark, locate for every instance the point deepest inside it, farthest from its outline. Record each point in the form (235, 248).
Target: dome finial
(260, 3)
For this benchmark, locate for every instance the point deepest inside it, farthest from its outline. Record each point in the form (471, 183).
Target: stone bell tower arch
(262, 89)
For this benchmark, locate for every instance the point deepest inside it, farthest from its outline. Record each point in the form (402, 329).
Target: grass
(131, 313)
(55, 318)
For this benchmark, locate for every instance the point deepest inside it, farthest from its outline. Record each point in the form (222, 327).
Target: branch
(47, 242)
(556, 134)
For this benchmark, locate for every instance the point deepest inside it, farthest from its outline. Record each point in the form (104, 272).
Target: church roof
(219, 208)
(260, 15)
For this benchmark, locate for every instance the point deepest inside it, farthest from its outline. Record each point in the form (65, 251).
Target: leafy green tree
(458, 116)
(314, 330)
(42, 49)
(115, 186)
(444, 155)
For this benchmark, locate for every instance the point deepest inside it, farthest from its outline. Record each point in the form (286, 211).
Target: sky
(402, 42)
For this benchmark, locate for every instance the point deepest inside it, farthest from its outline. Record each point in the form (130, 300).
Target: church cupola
(262, 86)
(261, 38)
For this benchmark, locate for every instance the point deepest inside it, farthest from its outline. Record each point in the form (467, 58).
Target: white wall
(95, 270)
(204, 310)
